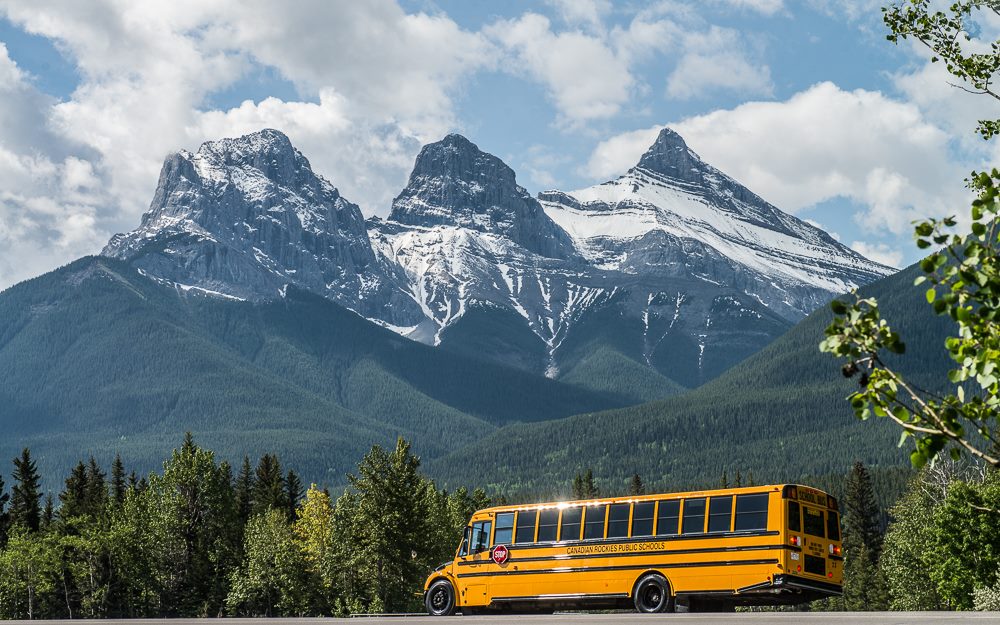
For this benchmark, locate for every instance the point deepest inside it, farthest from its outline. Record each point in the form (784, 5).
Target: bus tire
(440, 598)
(652, 594)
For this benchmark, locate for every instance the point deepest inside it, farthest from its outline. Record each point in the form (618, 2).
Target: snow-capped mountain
(673, 271)
(687, 270)
(244, 217)
(742, 241)
(673, 201)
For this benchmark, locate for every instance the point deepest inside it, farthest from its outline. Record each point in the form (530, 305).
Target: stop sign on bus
(500, 554)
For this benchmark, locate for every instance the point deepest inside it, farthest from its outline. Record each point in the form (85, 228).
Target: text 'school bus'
(705, 550)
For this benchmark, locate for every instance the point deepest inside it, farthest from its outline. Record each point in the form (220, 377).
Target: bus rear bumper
(792, 589)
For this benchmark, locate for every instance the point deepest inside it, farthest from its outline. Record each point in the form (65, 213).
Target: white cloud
(588, 13)
(614, 156)
(376, 83)
(584, 77)
(50, 195)
(825, 142)
(764, 7)
(879, 252)
(822, 143)
(713, 61)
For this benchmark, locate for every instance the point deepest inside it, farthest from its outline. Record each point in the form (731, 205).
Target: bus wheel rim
(440, 598)
(653, 596)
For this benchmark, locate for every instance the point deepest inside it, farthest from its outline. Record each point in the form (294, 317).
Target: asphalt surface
(754, 618)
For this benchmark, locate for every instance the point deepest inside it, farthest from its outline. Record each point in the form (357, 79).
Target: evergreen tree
(244, 491)
(584, 486)
(636, 486)
(73, 498)
(269, 485)
(388, 528)
(97, 488)
(119, 486)
(862, 511)
(25, 499)
(739, 479)
(4, 515)
(724, 480)
(293, 493)
(48, 512)
(864, 587)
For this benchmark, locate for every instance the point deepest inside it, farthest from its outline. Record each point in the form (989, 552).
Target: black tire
(440, 598)
(652, 594)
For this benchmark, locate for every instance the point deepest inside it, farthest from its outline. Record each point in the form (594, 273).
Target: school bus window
(525, 532)
(569, 528)
(668, 517)
(694, 516)
(505, 529)
(548, 520)
(593, 522)
(481, 536)
(832, 526)
(794, 520)
(751, 512)
(720, 513)
(463, 549)
(813, 522)
(618, 520)
(642, 518)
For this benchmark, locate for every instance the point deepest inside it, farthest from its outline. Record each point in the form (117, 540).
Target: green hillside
(95, 358)
(780, 414)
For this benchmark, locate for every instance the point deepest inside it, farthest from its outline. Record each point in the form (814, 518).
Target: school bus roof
(714, 492)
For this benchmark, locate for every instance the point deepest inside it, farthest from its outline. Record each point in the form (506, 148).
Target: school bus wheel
(652, 594)
(440, 598)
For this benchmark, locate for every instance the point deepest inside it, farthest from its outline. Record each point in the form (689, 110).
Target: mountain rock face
(245, 217)
(456, 184)
(674, 266)
(658, 280)
(715, 228)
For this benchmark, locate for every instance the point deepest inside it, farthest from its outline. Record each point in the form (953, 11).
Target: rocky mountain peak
(671, 156)
(267, 151)
(454, 183)
(243, 217)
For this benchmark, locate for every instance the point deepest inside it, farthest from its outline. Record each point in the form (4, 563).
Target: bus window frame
(538, 524)
(579, 524)
(652, 519)
(627, 521)
(708, 513)
(704, 515)
(604, 524)
(486, 527)
(497, 528)
(679, 517)
(517, 525)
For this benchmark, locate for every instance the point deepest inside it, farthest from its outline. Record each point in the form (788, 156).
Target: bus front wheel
(440, 599)
(652, 594)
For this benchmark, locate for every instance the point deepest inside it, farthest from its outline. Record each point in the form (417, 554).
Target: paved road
(757, 618)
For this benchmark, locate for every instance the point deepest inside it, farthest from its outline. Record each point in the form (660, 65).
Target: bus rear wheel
(440, 598)
(652, 594)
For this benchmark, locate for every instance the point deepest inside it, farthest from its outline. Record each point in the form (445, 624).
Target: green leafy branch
(944, 33)
(964, 279)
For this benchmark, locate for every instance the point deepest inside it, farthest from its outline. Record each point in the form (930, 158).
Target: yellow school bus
(695, 551)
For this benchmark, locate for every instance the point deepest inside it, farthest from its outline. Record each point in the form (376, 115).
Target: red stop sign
(500, 554)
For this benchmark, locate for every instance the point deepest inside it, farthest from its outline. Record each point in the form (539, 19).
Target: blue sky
(801, 100)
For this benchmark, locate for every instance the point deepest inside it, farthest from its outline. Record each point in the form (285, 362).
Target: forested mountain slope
(97, 358)
(781, 414)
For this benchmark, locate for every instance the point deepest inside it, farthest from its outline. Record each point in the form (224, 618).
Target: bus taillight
(795, 540)
(834, 550)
